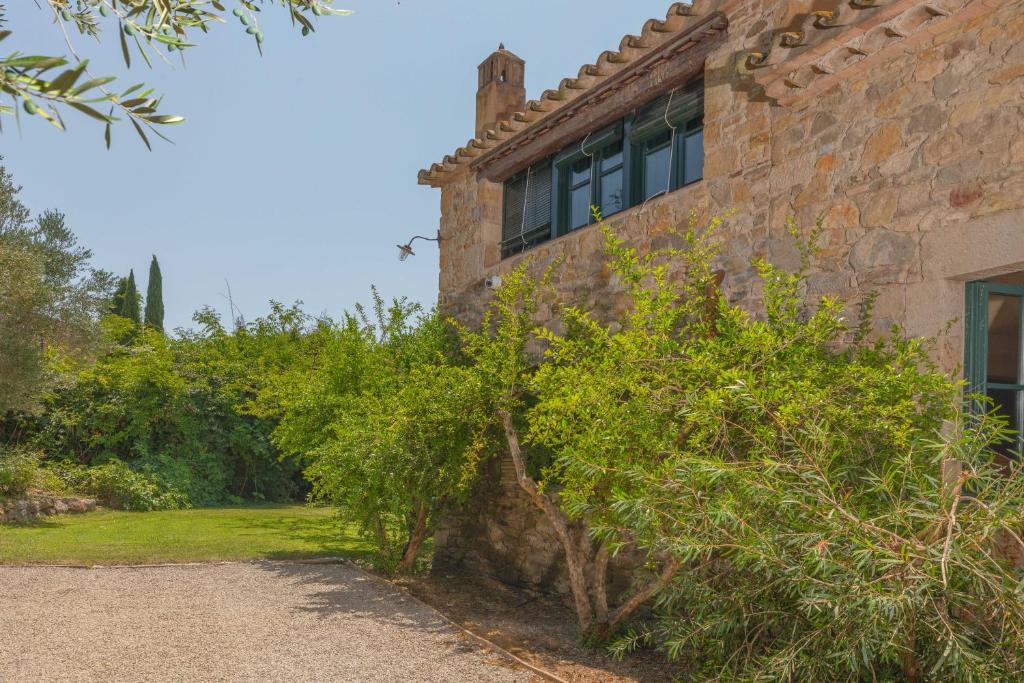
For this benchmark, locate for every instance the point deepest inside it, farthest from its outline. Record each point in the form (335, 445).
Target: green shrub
(116, 485)
(201, 477)
(388, 422)
(48, 480)
(179, 410)
(781, 471)
(19, 471)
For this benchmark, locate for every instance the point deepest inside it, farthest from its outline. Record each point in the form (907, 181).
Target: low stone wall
(39, 504)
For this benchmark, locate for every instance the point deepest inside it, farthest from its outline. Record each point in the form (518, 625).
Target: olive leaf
(141, 27)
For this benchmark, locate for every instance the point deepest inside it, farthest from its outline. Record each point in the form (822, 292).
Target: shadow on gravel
(342, 590)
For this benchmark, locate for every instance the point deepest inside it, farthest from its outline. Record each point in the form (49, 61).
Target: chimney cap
(502, 52)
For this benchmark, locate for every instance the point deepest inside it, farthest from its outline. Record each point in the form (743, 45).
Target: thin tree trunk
(382, 537)
(908, 661)
(574, 558)
(626, 609)
(600, 587)
(416, 538)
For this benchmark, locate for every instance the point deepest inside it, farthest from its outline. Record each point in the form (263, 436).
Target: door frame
(976, 339)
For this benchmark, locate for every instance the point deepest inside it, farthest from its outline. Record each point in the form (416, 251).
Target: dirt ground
(534, 627)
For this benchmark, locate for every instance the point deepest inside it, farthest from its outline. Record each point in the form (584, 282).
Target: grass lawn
(203, 535)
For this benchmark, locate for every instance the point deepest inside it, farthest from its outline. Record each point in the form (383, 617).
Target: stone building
(900, 123)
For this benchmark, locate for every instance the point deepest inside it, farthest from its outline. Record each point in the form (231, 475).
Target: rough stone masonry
(900, 123)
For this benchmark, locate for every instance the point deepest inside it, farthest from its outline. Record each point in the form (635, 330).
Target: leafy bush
(388, 422)
(180, 410)
(118, 486)
(782, 473)
(200, 477)
(19, 471)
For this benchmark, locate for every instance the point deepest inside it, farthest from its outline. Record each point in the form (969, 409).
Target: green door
(995, 352)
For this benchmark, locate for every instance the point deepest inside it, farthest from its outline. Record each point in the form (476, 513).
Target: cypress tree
(117, 302)
(155, 297)
(130, 304)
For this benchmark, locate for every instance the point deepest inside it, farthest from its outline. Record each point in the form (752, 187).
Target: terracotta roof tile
(680, 16)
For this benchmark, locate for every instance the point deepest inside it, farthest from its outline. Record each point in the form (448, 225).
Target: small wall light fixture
(405, 250)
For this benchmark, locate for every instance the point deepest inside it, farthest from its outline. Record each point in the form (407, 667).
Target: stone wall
(915, 163)
(490, 535)
(41, 503)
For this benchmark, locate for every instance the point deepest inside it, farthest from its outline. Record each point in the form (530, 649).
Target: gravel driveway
(229, 622)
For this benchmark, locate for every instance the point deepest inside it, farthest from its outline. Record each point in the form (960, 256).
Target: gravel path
(230, 622)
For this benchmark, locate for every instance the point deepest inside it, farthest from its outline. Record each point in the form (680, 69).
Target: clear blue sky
(295, 174)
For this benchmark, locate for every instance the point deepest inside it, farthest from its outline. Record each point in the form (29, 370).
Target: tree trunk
(631, 605)
(574, 556)
(601, 588)
(381, 534)
(908, 660)
(416, 538)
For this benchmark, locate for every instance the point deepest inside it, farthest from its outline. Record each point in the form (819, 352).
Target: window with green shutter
(657, 149)
(994, 352)
(527, 209)
(590, 174)
(667, 137)
(611, 180)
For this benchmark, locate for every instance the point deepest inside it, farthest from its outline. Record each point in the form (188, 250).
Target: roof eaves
(681, 16)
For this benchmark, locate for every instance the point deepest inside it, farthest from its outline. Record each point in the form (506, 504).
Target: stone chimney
(502, 89)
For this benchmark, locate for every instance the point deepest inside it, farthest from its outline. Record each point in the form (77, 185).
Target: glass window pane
(579, 207)
(693, 155)
(662, 138)
(612, 200)
(611, 157)
(579, 172)
(1005, 403)
(656, 171)
(1004, 343)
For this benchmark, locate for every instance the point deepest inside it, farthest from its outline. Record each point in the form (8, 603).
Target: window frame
(680, 126)
(640, 156)
(569, 189)
(976, 349)
(600, 174)
(687, 116)
(525, 239)
(591, 148)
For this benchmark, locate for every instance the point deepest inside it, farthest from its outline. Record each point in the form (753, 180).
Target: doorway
(994, 361)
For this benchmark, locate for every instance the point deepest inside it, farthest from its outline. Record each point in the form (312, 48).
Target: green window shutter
(538, 201)
(527, 209)
(515, 193)
(976, 338)
(676, 109)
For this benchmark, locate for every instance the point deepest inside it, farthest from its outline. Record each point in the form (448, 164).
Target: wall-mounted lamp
(405, 250)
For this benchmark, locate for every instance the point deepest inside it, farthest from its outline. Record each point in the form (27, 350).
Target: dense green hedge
(172, 417)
